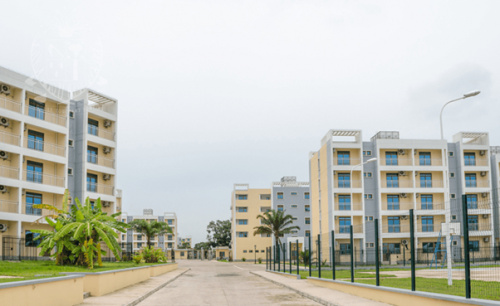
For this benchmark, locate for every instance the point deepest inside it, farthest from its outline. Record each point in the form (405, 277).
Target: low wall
(162, 269)
(64, 290)
(396, 296)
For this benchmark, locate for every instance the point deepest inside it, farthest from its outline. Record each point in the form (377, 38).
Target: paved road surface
(214, 283)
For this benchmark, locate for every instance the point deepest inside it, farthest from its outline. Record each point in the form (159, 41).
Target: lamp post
(255, 253)
(467, 95)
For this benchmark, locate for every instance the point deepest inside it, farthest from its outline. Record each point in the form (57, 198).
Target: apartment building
(246, 204)
(46, 142)
(354, 182)
(292, 196)
(185, 240)
(139, 240)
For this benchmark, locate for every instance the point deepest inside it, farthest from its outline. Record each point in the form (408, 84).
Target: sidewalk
(320, 295)
(134, 294)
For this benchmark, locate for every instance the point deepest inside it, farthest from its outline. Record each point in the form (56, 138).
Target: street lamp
(467, 95)
(361, 164)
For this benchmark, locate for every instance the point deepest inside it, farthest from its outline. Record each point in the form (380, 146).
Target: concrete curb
(138, 300)
(302, 293)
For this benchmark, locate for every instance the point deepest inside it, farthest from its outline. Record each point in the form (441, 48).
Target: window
(425, 180)
(345, 248)
(71, 114)
(32, 199)
(182, 253)
(471, 200)
(426, 201)
(91, 182)
(393, 225)
(452, 174)
(265, 197)
(244, 251)
(169, 237)
(470, 180)
(392, 248)
(453, 217)
(451, 154)
(368, 196)
(294, 218)
(392, 180)
(368, 174)
(308, 220)
(425, 158)
(306, 195)
(294, 206)
(474, 246)
(294, 193)
(473, 223)
(453, 196)
(391, 158)
(470, 159)
(36, 109)
(242, 221)
(93, 127)
(242, 197)
(35, 140)
(427, 224)
(250, 251)
(280, 195)
(265, 235)
(170, 221)
(139, 244)
(308, 233)
(343, 158)
(30, 240)
(367, 153)
(307, 208)
(280, 208)
(428, 247)
(344, 202)
(265, 209)
(241, 209)
(242, 234)
(70, 142)
(344, 224)
(92, 154)
(139, 237)
(34, 172)
(70, 171)
(393, 202)
(169, 245)
(369, 218)
(370, 245)
(344, 180)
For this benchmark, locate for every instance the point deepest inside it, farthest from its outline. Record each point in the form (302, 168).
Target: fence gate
(17, 249)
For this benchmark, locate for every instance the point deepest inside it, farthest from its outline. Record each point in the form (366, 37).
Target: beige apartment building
(246, 204)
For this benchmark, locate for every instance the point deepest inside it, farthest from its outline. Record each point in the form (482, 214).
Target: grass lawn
(341, 274)
(27, 270)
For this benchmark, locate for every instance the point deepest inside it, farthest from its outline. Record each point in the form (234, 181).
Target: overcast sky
(213, 93)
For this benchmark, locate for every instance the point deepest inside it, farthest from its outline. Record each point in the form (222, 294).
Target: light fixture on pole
(366, 162)
(467, 95)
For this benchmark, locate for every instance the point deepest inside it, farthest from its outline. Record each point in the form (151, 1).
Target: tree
(202, 245)
(185, 245)
(150, 229)
(219, 233)
(275, 223)
(79, 231)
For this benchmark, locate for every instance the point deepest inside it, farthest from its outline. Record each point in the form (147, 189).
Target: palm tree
(150, 229)
(275, 223)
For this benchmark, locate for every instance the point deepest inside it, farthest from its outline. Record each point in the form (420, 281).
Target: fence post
(412, 250)
(377, 255)
(284, 257)
(274, 258)
(310, 256)
(290, 255)
(465, 214)
(352, 253)
(319, 256)
(297, 258)
(278, 253)
(333, 255)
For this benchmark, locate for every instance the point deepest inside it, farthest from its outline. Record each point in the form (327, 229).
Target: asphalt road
(214, 283)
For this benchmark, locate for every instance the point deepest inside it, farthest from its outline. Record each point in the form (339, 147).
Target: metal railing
(346, 229)
(41, 114)
(10, 138)
(397, 206)
(100, 188)
(101, 161)
(10, 104)
(429, 184)
(397, 184)
(347, 184)
(9, 206)
(346, 162)
(101, 133)
(400, 161)
(395, 228)
(475, 162)
(476, 183)
(348, 206)
(428, 162)
(46, 147)
(9, 172)
(41, 178)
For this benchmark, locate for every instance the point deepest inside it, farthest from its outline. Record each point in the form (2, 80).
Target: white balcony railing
(397, 184)
(41, 178)
(346, 162)
(101, 161)
(476, 162)
(10, 104)
(41, 114)
(424, 162)
(347, 184)
(100, 188)
(9, 206)
(10, 138)
(101, 133)
(47, 147)
(9, 172)
(429, 184)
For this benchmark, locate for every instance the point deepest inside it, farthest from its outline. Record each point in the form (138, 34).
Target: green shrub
(259, 260)
(137, 258)
(243, 259)
(152, 255)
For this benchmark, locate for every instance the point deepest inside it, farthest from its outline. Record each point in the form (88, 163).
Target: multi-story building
(354, 182)
(185, 241)
(495, 179)
(47, 145)
(293, 197)
(246, 205)
(139, 240)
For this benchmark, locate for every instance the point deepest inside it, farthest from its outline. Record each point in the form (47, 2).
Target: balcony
(476, 184)
(397, 184)
(10, 104)
(9, 172)
(101, 161)
(9, 138)
(348, 184)
(426, 162)
(29, 210)
(430, 184)
(348, 206)
(100, 188)
(9, 206)
(346, 229)
(396, 207)
(430, 206)
(400, 161)
(41, 114)
(428, 228)
(93, 130)
(396, 228)
(346, 161)
(46, 179)
(476, 162)
(46, 147)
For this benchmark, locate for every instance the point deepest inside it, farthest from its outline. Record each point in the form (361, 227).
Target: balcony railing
(10, 104)
(348, 206)
(428, 228)
(400, 161)
(46, 179)
(9, 206)
(348, 184)
(479, 227)
(10, 138)
(475, 162)
(397, 206)
(346, 229)
(101, 133)
(428, 162)
(29, 210)
(41, 114)
(100, 188)
(43, 146)
(429, 184)
(346, 162)
(395, 228)
(476, 184)
(430, 206)
(397, 184)
(101, 161)
(9, 172)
